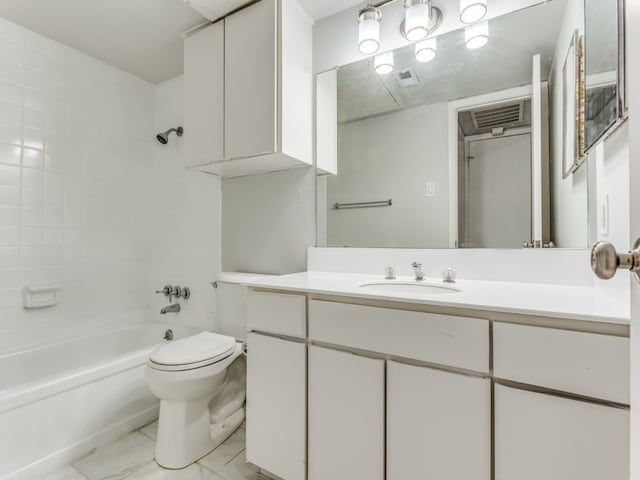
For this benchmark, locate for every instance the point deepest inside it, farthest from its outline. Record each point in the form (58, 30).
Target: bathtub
(59, 401)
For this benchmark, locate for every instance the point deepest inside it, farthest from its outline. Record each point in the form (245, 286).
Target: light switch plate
(431, 189)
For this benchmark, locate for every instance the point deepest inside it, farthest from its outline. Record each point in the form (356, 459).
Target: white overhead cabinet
(249, 90)
(204, 95)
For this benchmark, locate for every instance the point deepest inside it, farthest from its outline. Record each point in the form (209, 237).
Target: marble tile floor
(131, 458)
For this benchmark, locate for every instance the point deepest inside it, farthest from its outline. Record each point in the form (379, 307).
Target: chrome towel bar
(380, 203)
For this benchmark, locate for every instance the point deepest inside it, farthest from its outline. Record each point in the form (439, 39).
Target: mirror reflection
(450, 146)
(604, 102)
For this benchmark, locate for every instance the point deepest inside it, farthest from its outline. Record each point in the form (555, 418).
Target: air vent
(498, 116)
(408, 78)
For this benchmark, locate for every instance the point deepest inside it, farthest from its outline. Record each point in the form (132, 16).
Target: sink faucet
(417, 269)
(175, 308)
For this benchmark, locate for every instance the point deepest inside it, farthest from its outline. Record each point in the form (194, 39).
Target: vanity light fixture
(472, 11)
(420, 20)
(384, 63)
(477, 35)
(417, 15)
(369, 29)
(426, 50)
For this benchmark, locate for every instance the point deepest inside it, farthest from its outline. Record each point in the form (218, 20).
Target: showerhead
(163, 138)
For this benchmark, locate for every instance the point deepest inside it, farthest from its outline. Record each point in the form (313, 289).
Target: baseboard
(73, 452)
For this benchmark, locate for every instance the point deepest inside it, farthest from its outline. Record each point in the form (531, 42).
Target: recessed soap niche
(41, 296)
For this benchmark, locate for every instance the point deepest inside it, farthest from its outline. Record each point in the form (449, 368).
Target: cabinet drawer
(277, 313)
(441, 339)
(583, 363)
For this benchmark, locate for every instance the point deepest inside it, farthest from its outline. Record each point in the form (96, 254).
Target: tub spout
(175, 308)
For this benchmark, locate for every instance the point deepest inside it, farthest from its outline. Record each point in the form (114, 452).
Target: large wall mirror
(464, 150)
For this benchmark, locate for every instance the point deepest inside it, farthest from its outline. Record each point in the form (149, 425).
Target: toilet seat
(198, 351)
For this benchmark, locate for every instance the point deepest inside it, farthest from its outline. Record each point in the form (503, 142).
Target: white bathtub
(57, 402)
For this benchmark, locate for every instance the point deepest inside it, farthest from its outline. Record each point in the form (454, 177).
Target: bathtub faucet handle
(166, 291)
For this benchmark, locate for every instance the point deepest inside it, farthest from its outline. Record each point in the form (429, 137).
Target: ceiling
(141, 37)
(323, 8)
(456, 72)
(138, 36)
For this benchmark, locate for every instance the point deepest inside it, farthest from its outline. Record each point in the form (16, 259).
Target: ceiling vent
(408, 78)
(498, 115)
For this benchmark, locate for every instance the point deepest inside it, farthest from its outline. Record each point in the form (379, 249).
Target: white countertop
(558, 301)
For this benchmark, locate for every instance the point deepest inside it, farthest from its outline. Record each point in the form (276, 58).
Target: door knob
(605, 261)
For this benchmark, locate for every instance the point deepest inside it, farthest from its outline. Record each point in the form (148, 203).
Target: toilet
(201, 382)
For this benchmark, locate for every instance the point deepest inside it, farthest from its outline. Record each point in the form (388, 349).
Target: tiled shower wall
(75, 189)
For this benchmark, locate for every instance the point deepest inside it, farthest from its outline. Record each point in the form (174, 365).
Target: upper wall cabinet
(248, 87)
(204, 95)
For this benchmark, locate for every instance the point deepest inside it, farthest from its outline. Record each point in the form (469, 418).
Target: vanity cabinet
(248, 91)
(276, 405)
(438, 424)
(395, 393)
(346, 416)
(543, 436)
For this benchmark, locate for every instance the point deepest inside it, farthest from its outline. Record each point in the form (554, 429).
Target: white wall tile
(9, 175)
(9, 196)
(9, 236)
(10, 154)
(76, 169)
(10, 133)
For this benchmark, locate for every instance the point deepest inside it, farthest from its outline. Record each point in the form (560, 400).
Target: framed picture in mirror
(573, 107)
(605, 102)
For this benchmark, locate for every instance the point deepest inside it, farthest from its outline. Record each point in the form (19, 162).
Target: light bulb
(416, 19)
(369, 30)
(384, 63)
(426, 50)
(476, 36)
(472, 11)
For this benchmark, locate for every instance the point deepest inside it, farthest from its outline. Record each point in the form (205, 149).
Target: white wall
(375, 156)
(569, 196)
(89, 200)
(75, 185)
(187, 218)
(268, 221)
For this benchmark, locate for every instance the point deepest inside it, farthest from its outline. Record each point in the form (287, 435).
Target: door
(251, 80)
(438, 424)
(498, 179)
(633, 80)
(276, 405)
(540, 436)
(204, 96)
(346, 416)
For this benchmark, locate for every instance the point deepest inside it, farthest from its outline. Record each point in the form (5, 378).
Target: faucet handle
(390, 272)
(417, 269)
(166, 291)
(449, 275)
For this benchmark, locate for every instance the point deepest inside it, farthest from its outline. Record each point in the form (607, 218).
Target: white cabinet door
(204, 96)
(540, 436)
(276, 402)
(346, 416)
(251, 80)
(438, 425)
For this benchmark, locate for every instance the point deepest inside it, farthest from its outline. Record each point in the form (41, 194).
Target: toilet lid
(204, 347)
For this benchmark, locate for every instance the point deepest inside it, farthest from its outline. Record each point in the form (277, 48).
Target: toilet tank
(231, 303)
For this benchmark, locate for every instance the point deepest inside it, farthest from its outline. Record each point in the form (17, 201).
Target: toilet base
(185, 432)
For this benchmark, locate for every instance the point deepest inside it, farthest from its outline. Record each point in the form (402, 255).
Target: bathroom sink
(408, 287)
